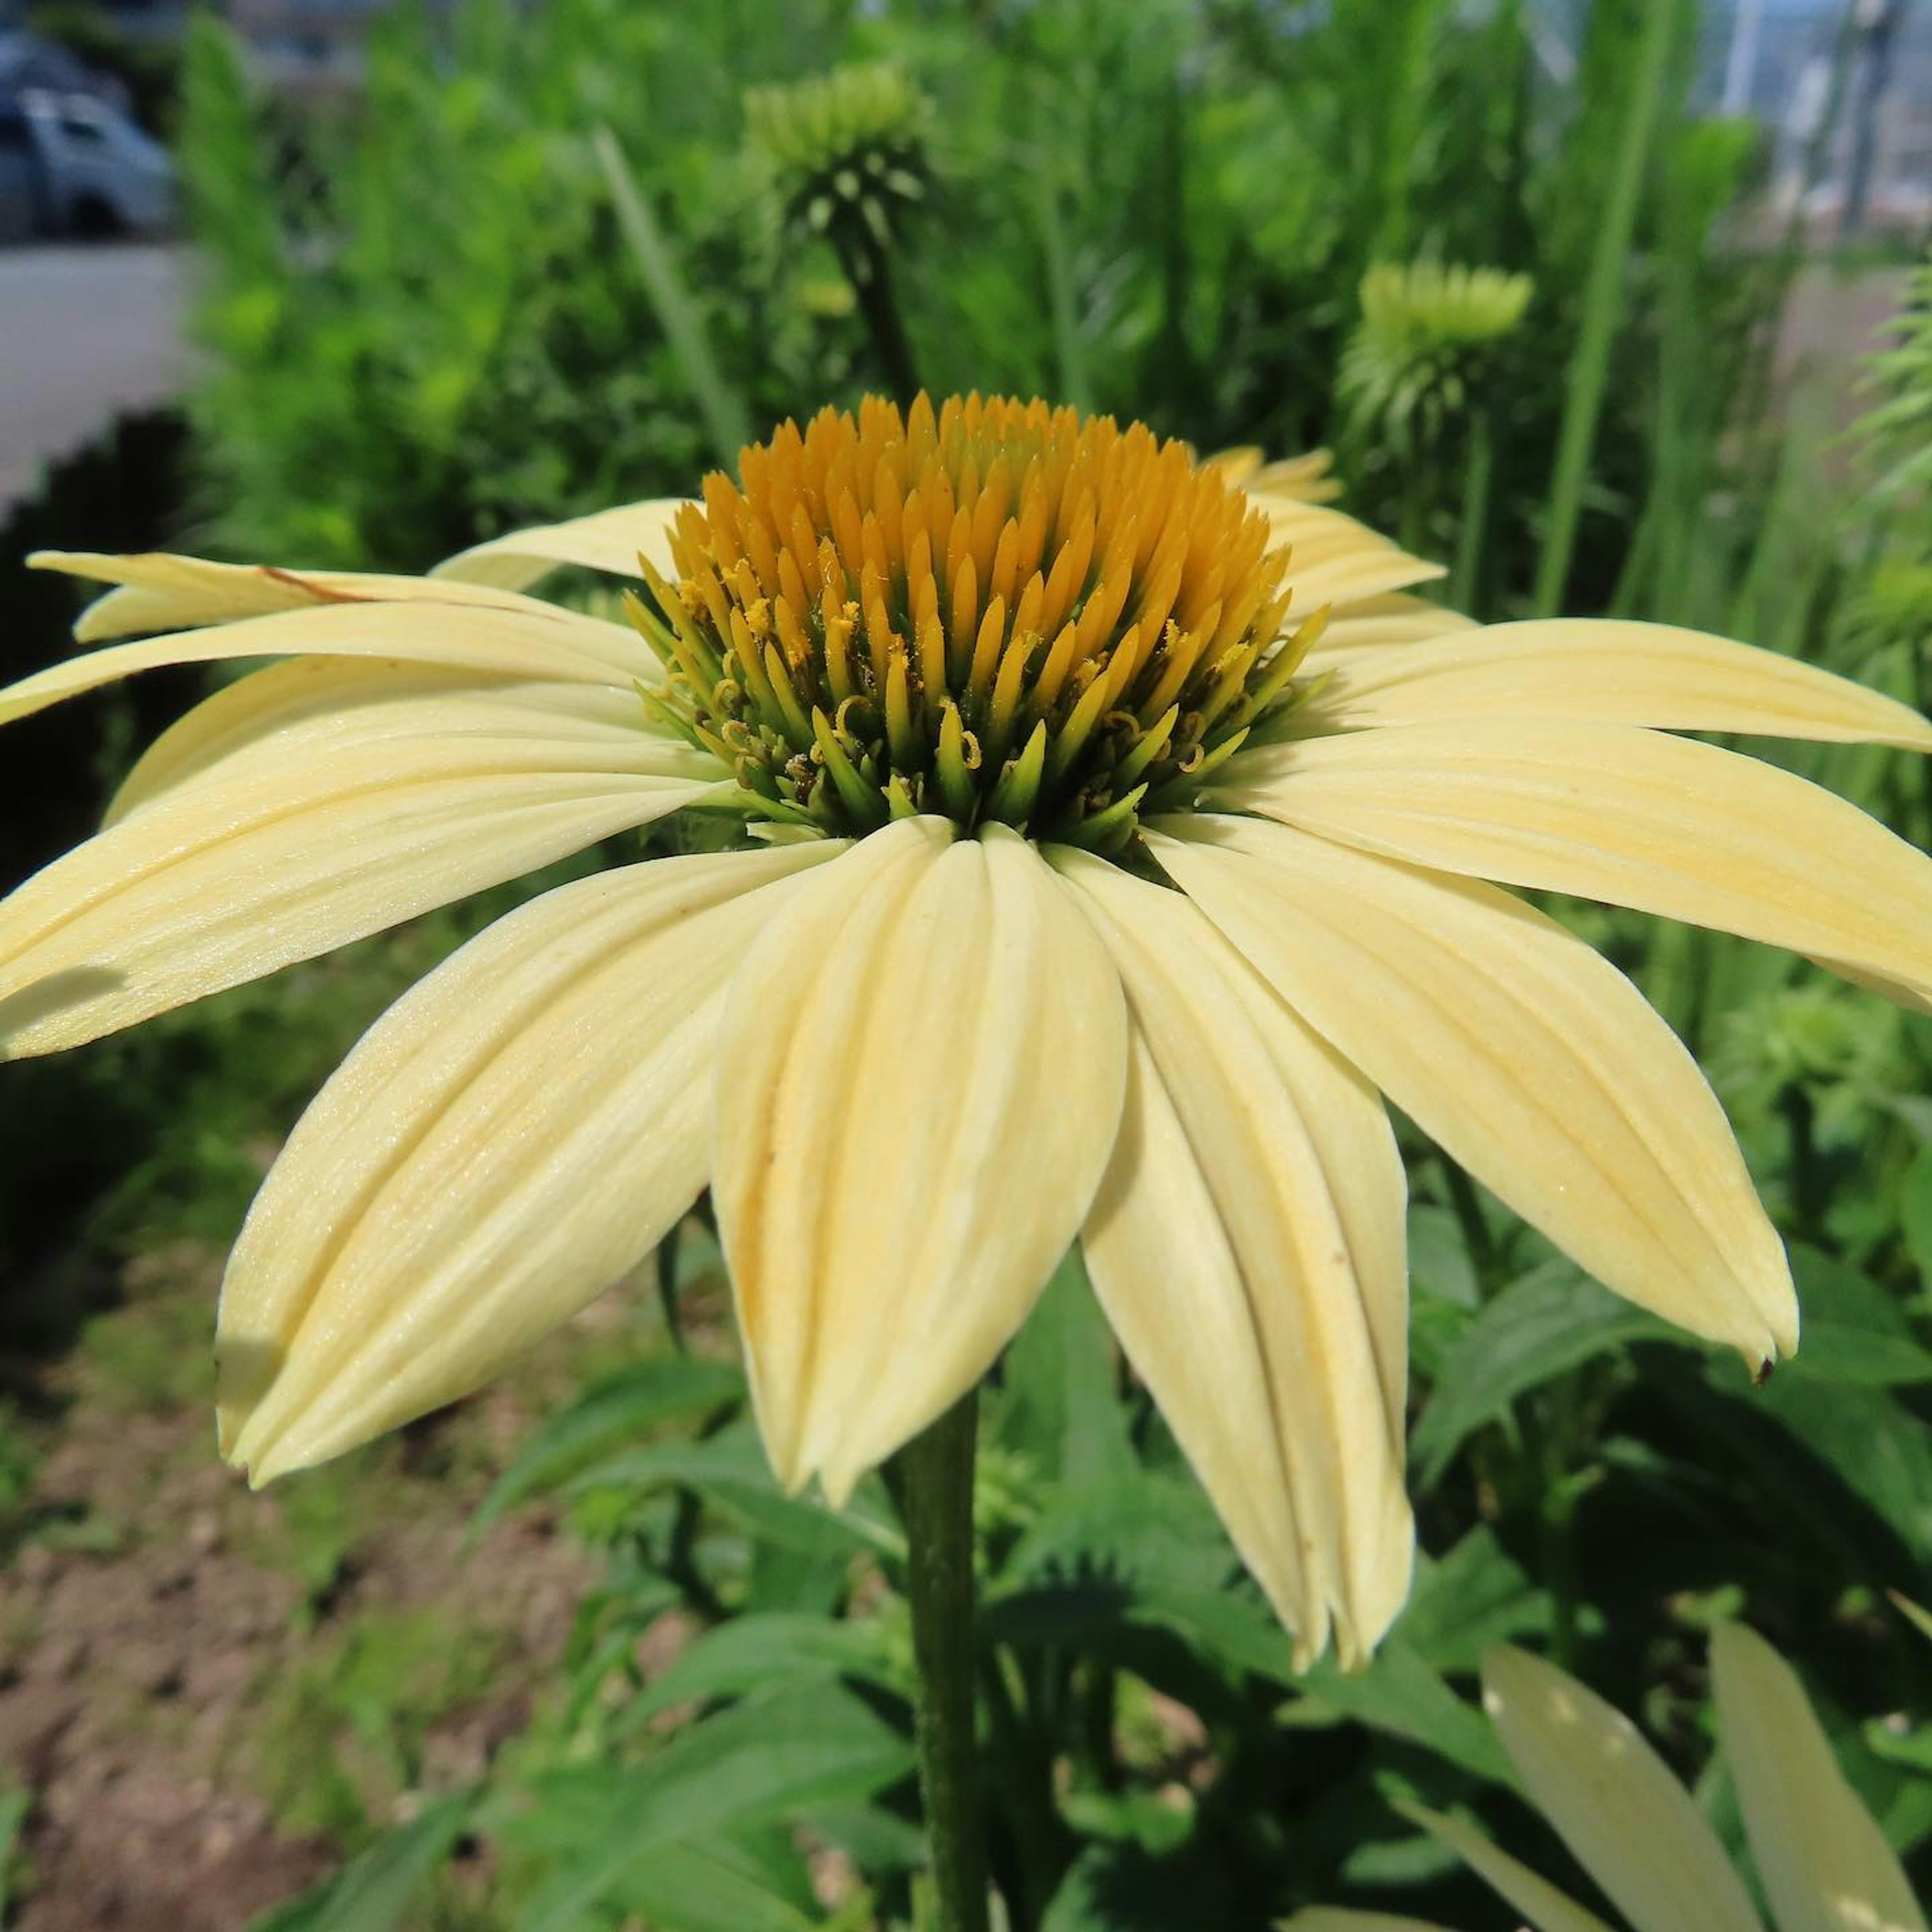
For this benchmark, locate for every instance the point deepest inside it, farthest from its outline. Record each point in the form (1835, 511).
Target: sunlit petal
(1633, 1827)
(1247, 1245)
(1607, 811)
(536, 640)
(161, 591)
(918, 1084)
(237, 852)
(514, 1134)
(607, 540)
(1531, 1061)
(1609, 672)
(1826, 1864)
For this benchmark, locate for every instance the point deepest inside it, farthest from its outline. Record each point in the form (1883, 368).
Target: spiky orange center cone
(997, 610)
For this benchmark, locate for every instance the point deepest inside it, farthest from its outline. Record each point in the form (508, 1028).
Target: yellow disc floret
(993, 610)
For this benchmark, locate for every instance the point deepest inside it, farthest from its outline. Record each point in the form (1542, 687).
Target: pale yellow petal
(1612, 812)
(1234, 465)
(276, 848)
(1826, 1864)
(1632, 1826)
(1539, 1901)
(1531, 1061)
(1377, 623)
(536, 640)
(1305, 478)
(160, 591)
(1610, 672)
(514, 1134)
(1250, 1220)
(312, 708)
(918, 1084)
(609, 540)
(1336, 560)
(1336, 1918)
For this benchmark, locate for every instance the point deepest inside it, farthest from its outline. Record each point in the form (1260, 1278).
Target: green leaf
(611, 1413)
(1854, 1332)
(729, 1470)
(752, 1654)
(1061, 1409)
(1878, 1449)
(1539, 1326)
(760, 1884)
(371, 1894)
(14, 1806)
(751, 1765)
(1914, 1213)
(1398, 1693)
(1476, 1596)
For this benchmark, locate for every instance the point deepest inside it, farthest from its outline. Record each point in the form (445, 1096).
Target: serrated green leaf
(1060, 1409)
(1475, 1596)
(729, 1470)
(372, 1893)
(748, 1765)
(1399, 1694)
(759, 1883)
(1539, 1326)
(612, 1413)
(750, 1655)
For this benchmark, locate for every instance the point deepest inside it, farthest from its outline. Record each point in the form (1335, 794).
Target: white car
(72, 165)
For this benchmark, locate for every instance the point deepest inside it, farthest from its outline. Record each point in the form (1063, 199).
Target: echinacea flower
(1824, 1864)
(1102, 893)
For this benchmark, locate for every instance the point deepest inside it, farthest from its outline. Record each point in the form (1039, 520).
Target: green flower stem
(932, 1482)
(1476, 480)
(869, 271)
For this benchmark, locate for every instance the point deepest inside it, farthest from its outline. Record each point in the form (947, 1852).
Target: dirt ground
(172, 1648)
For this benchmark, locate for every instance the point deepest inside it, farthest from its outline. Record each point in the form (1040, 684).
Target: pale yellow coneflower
(1824, 1864)
(1101, 889)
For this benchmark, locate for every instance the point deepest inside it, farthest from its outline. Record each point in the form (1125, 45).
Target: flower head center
(993, 610)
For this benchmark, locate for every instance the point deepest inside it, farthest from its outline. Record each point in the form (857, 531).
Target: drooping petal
(536, 640)
(1376, 623)
(607, 540)
(1826, 1864)
(1247, 1245)
(1632, 1826)
(309, 708)
(161, 591)
(918, 1084)
(1305, 478)
(515, 1133)
(1610, 673)
(1531, 1060)
(1613, 812)
(239, 852)
(1335, 560)
(1539, 1901)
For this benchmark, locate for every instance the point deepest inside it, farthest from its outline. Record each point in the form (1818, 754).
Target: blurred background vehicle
(72, 165)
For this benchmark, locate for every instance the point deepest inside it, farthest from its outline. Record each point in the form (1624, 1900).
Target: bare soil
(156, 1609)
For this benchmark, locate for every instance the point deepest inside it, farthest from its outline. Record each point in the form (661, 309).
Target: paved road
(85, 331)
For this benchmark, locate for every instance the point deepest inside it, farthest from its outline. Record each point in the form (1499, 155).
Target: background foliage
(544, 268)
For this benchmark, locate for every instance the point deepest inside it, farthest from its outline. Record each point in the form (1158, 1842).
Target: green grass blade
(1589, 366)
(723, 409)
